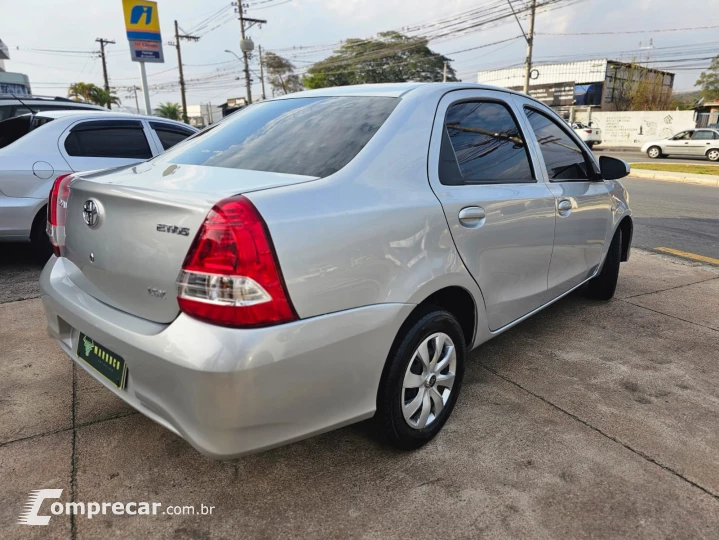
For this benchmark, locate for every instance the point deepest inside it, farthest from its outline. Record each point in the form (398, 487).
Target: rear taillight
(588, 131)
(56, 211)
(231, 276)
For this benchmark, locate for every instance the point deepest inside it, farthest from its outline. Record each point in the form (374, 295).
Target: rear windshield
(304, 136)
(14, 128)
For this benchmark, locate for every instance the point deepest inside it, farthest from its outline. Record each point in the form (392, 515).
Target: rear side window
(703, 135)
(109, 142)
(484, 141)
(170, 138)
(304, 136)
(563, 157)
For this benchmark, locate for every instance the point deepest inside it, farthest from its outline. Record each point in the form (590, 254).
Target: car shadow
(19, 272)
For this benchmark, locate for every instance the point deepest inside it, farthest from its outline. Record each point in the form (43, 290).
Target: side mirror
(613, 168)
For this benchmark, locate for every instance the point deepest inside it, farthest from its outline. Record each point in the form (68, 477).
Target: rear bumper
(230, 392)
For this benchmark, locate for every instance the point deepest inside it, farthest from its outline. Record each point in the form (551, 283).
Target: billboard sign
(146, 51)
(142, 21)
(552, 95)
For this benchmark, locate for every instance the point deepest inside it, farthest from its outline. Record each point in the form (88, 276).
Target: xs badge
(173, 229)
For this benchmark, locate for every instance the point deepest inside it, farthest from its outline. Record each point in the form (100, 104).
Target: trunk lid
(148, 216)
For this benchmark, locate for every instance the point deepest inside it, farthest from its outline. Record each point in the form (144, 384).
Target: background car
(692, 142)
(11, 106)
(590, 134)
(36, 149)
(328, 256)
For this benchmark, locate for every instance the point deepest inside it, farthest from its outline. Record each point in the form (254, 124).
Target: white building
(11, 83)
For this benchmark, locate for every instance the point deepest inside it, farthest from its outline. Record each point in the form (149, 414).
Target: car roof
(105, 115)
(393, 89)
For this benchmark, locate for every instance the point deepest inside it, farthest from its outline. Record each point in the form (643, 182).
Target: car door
(168, 135)
(679, 144)
(499, 210)
(102, 144)
(583, 203)
(700, 142)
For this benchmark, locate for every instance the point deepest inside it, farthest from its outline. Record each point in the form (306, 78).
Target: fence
(634, 128)
(710, 120)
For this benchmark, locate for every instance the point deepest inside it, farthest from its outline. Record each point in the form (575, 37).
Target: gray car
(692, 142)
(328, 257)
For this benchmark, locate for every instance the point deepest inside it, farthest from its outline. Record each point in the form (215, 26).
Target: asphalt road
(684, 217)
(640, 157)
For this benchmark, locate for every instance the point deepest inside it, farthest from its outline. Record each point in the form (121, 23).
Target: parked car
(11, 106)
(590, 134)
(326, 257)
(692, 142)
(36, 149)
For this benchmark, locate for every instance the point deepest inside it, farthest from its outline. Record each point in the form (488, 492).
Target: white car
(588, 133)
(36, 149)
(11, 106)
(693, 142)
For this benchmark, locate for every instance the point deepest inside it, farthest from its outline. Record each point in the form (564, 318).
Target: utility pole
(102, 43)
(530, 45)
(178, 37)
(444, 73)
(246, 45)
(262, 74)
(137, 103)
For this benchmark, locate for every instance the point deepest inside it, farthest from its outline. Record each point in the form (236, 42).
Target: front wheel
(654, 152)
(603, 286)
(422, 379)
(713, 154)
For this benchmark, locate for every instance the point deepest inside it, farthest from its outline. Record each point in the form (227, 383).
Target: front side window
(683, 136)
(483, 144)
(303, 136)
(170, 138)
(563, 157)
(129, 143)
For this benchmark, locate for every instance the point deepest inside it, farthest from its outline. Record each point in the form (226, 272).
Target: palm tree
(173, 111)
(82, 91)
(104, 98)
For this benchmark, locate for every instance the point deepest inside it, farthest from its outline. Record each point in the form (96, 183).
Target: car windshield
(303, 136)
(15, 128)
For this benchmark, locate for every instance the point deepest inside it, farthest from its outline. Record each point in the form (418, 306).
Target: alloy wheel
(654, 152)
(428, 381)
(713, 155)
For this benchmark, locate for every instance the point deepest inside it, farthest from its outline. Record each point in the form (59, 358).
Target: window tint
(683, 136)
(108, 142)
(563, 157)
(170, 138)
(305, 136)
(483, 139)
(703, 135)
(5, 112)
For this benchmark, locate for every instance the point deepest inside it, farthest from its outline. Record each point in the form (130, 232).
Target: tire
(713, 154)
(39, 241)
(428, 327)
(654, 152)
(603, 286)
(590, 145)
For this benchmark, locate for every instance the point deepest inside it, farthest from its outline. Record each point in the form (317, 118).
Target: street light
(233, 54)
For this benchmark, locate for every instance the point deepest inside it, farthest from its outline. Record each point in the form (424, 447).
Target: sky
(55, 45)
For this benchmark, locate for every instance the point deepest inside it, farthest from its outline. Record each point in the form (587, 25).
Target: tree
(709, 81)
(391, 57)
(81, 91)
(281, 75)
(173, 111)
(91, 93)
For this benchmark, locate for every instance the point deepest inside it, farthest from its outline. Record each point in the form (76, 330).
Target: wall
(636, 127)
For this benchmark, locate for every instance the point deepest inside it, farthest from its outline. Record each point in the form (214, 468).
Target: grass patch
(678, 167)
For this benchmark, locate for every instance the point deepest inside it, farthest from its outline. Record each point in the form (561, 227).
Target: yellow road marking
(686, 255)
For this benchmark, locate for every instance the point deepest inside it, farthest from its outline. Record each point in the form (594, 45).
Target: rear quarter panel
(372, 233)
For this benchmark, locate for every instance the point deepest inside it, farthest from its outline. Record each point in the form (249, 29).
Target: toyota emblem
(90, 213)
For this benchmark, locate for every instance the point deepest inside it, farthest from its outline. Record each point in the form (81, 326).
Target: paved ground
(591, 420)
(640, 157)
(672, 215)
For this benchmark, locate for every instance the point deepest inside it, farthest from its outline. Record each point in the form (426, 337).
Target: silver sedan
(327, 257)
(693, 142)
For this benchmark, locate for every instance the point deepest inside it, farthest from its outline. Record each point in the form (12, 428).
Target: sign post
(142, 23)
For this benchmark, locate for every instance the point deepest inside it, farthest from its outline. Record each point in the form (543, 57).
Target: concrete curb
(683, 178)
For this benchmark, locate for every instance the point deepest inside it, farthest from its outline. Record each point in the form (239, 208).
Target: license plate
(103, 360)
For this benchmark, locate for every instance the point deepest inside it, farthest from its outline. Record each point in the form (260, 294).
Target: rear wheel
(713, 154)
(602, 287)
(422, 379)
(654, 152)
(590, 145)
(39, 241)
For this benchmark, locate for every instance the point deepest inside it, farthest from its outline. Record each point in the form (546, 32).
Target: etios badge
(91, 213)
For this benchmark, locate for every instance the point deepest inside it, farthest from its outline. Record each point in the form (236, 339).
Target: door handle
(472, 217)
(564, 208)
